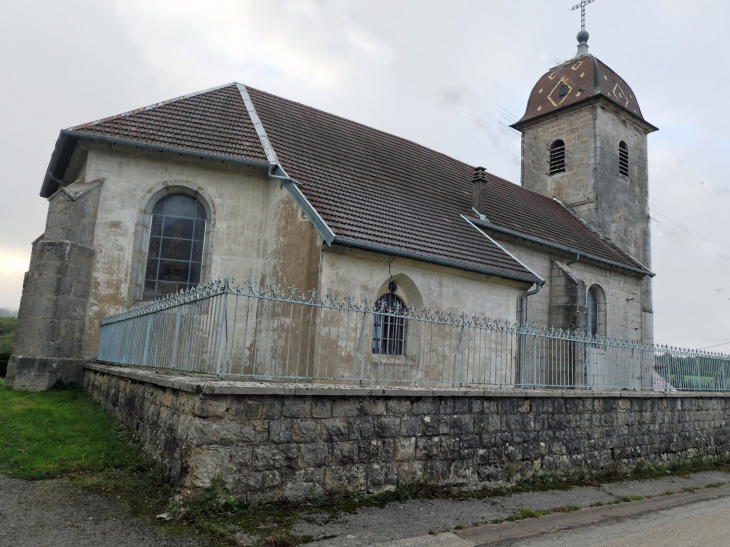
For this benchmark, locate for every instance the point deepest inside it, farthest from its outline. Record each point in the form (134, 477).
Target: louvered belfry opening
(623, 158)
(557, 157)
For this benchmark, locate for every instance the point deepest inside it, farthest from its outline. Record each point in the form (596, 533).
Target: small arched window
(175, 252)
(389, 327)
(596, 304)
(557, 157)
(623, 158)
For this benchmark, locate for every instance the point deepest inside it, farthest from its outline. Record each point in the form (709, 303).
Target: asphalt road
(705, 524)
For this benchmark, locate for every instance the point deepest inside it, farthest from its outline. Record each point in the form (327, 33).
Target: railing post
(589, 347)
(175, 338)
(463, 328)
(147, 340)
(362, 349)
(224, 320)
(699, 378)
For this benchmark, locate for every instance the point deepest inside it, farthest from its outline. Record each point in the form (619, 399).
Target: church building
(236, 181)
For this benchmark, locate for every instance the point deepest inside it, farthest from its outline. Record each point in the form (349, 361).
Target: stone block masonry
(269, 442)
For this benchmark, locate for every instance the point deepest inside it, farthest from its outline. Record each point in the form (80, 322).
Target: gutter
(523, 319)
(589, 256)
(426, 258)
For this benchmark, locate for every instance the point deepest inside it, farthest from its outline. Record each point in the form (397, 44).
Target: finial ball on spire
(583, 36)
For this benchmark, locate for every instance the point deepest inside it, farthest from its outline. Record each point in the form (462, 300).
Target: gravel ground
(54, 513)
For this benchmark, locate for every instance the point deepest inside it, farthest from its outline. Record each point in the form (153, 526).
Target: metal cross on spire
(582, 7)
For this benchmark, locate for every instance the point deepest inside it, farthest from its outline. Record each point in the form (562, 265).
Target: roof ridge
(368, 127)
(148, 107)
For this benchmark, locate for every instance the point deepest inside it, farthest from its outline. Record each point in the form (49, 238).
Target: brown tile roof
(212, 122)
(583, 77)
(368, 186)
(375, 188)
(534, 215)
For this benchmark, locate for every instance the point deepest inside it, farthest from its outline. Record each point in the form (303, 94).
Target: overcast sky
(441, 73)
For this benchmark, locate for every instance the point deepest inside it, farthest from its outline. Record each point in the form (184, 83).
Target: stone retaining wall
(269, 442)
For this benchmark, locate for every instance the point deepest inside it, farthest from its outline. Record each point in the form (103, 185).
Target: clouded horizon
(444, 74)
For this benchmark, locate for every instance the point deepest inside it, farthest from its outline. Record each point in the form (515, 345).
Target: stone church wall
(275, 442)
(255, 230)
(623, 306)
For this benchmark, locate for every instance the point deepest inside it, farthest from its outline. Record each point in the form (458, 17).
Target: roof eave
(524, 122)
(57, 167)
(433, 260)
(564, 248)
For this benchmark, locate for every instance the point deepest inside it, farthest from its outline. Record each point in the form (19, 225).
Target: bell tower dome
(584, 142)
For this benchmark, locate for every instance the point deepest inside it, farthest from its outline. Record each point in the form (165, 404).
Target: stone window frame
(143, 228)
(602, 309)
(407, 291)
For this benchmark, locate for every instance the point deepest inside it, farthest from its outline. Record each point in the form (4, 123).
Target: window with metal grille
(557, 157)
(175, 252)
(623, 158)
(389, 327)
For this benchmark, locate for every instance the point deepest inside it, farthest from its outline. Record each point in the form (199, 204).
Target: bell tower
(584, 142)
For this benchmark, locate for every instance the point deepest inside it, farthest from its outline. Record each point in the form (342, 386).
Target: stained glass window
(175, 254)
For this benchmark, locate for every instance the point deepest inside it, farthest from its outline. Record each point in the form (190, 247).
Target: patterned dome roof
(577, 80)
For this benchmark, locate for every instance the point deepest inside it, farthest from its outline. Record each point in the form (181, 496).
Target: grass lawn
(43, 435)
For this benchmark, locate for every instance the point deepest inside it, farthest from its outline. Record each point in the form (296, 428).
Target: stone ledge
(207, 385)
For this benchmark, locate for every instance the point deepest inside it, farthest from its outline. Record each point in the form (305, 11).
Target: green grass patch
(47, 434)
(525, 513)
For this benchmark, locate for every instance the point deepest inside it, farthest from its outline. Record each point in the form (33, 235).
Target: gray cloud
(431, 71)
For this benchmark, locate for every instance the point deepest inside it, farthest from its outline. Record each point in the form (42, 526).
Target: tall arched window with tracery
(557, 157)
(389, 327)
(175, 252)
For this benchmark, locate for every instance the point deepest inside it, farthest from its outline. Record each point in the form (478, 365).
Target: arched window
(557, 157)
(623, 158)
(389, 326)
(175, 252)
(596, 304)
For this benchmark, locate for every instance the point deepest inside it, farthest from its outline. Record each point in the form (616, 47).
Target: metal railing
(263, 333)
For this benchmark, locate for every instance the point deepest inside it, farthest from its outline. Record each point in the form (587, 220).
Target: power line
(716, 345)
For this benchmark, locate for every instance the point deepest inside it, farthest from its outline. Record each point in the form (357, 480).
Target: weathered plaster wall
(271, 442)
(429, 353)
(364, 273)
(256, 229)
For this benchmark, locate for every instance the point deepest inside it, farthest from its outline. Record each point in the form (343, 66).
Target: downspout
(523, 316)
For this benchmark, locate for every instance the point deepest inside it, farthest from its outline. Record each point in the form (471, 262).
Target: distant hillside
(8, 313)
